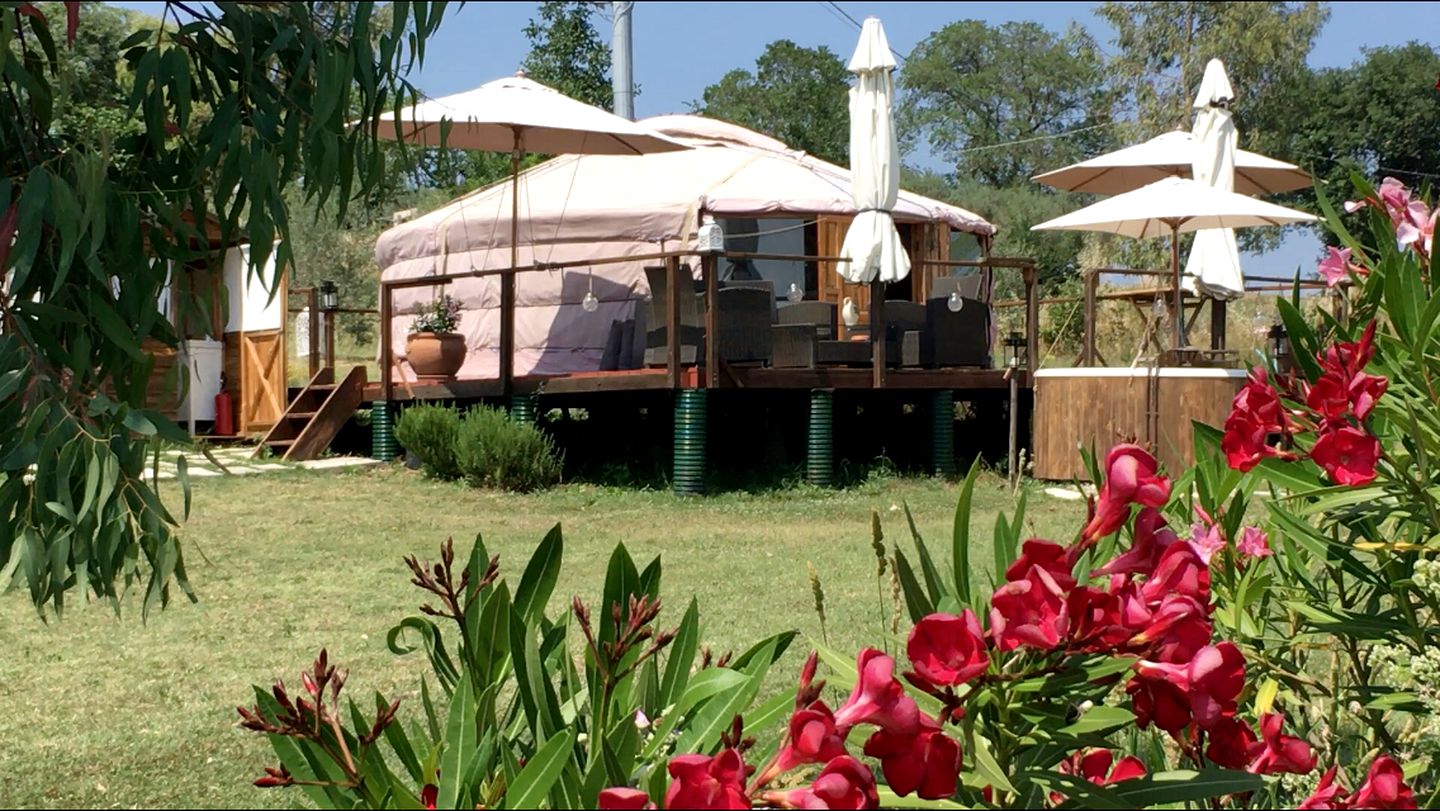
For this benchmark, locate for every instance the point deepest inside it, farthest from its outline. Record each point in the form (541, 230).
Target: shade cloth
(872, 244)
(1213, 267)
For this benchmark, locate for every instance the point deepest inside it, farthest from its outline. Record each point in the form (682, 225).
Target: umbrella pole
(1179, 294)
(507, 282)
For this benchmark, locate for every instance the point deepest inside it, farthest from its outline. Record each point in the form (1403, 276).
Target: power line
(1065, 134)
(835, 9)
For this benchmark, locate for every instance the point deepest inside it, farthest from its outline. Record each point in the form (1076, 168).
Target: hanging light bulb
(590, 304)
(955, 302)
(795, 293)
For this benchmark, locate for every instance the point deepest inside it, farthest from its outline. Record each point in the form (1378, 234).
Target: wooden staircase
(315, 416)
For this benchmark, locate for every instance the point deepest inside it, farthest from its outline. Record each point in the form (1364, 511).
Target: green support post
(382, 432)
(688, 475)
(820, 445)
(523, 408)
(942, 433)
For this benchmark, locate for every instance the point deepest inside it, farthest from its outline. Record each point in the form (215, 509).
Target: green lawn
(110, 712)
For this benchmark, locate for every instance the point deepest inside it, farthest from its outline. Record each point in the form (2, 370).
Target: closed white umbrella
(518, 115)
(872, 245)
(1213, 267)
(1174, 206)
(1171, 155)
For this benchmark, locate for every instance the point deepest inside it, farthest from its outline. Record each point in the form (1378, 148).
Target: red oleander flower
(1348, 359)
(1029, 612)
(927, 764)
(1181, 571)
(1151, 538)
(1096, 621)
(1231, 743)
(704, 782)
(622, 799)
(1131, 477)
(1348, 455)
(1048, 555)
(1329, 397)
(1277, 753)
(1178, 619)
(1208, 687)
(1364, 391)
(813, 739)
(1255, 414)
(1096, 766)
(878, 698)
(1384, 787)
(1328, 795)
(844, 783)
(946, 650)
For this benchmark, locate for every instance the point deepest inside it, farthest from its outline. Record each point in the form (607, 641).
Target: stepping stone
(242, 471)
(339, 462)
(202, 472)
(271, 466)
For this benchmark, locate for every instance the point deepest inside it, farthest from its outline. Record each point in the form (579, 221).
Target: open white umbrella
(1213, 267)
(519, 115)
(872, 245)
(1174, 206)
(1171, 155)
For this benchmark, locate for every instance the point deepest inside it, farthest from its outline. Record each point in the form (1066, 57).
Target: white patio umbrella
(519, 115)
(1174, 206)
(1213, 267)
(872, 245)
(1171, 155)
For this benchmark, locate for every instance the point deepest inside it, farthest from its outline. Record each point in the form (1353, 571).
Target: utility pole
(621, 72)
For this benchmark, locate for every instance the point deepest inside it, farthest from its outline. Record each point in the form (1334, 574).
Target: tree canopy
(231, 103)
(795, 94)
(994, 101)
(568, 54)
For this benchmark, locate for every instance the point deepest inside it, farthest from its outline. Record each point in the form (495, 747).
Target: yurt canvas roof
(731, 172)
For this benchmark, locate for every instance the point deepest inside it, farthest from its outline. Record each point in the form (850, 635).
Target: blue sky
(681, 47)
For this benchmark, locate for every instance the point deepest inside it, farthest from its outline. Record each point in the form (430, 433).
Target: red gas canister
(224, 414)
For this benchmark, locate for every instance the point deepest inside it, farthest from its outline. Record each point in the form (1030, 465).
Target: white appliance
(204, 360)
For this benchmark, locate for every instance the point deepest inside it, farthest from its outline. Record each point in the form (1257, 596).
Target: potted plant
(435, 350)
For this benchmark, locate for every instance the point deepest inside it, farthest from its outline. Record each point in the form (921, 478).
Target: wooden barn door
(830, 237)
(262, 379)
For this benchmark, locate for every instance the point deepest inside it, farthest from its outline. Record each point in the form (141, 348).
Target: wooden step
(300, 415)
(280, 443)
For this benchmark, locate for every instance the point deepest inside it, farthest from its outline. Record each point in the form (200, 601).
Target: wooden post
(507, 281)
(329, 339)
(1092, 281)
(1032, 317)
(387, 360)
(1217, 323)
(877, 334)
(672, 319)
(708, 269)
(1014, 457)
(1180, 341)
(313, 308)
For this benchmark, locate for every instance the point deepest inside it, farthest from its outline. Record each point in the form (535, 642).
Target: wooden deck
(730, 377)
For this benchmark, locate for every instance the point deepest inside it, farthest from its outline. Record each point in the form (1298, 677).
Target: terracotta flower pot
(435, 355)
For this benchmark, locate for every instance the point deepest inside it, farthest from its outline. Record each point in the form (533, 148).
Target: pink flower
(878, 698)
(1348, 455)
(844, 783)
(1231, 743)
(624, 799)
(1029, 612)
(813, 739)
(1096, 766)
(1131, 477)
(1329, 396)
(1279, 753)
(1206, 540)
(1210, 684)
(1254, 543)
(1181, 571)
(1335, 267)
(946, 650)
(1384, 787)
(703, 782)
(927, 764)
(1364, 390)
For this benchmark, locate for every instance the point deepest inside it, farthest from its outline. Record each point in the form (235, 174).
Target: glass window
(768, 235)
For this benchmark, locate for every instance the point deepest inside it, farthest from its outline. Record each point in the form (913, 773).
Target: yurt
(767, 197)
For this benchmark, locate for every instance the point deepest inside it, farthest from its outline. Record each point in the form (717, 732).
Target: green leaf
(534, 782)
(541, 573)
(710, 682)
(987, 769)
(1100, 719)
(681, 656)
(917, 603)
(960, 535)
(1185, 785)
(936, 586)
(460, 739)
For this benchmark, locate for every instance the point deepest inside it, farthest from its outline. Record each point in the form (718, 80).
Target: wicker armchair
(799, 329)
(742, 324)
(692, 319)
(963, 338)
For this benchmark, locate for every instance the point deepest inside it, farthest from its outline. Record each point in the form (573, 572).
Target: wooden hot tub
(1093, 407)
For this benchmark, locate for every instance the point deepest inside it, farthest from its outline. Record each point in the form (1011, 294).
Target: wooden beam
(1032, 317)
(672, 319)
(507, 333)
(387, 358)
(712, 348)
(877, 334)
(1217, 323)
(1087, 354)
(329, 339)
